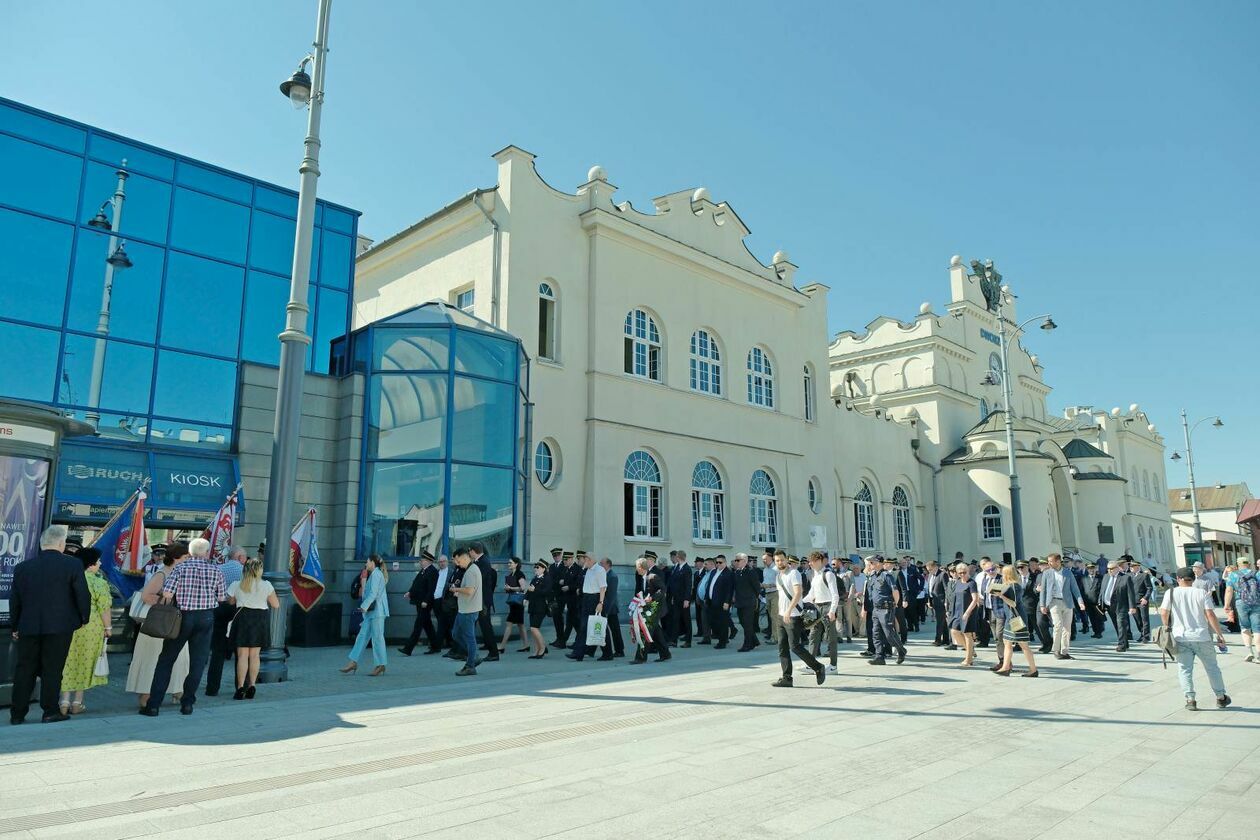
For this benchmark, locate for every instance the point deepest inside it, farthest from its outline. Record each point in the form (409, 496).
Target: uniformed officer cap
(567, 555)
(540, 563)
(556, 551)
(427, 555)
(1022, 564)
(651, 555)
(581, 554)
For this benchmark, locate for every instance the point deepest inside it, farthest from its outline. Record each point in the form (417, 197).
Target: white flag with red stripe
(219, 531)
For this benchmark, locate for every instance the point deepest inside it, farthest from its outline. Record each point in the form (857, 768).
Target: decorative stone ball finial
(1115, 412)
(701, 194)
(1150, 427)
(955, 260)
(1036, 361)
(1133, 408)
(925, 307)
(779, 257)
(596, 173)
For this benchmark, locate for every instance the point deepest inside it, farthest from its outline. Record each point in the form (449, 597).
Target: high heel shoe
(522, 650)
(1002, 673)
(377, 671)
(350, 669)
(250, 692)
(240, 694)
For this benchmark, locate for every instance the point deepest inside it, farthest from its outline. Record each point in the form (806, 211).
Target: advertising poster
(23, 497)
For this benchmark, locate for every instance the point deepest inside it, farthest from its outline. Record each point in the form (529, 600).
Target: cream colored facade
(628, 314)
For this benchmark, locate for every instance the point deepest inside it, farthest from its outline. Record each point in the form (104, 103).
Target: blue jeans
(371, 630)
(1205, 652)
(466, 636)
(1248, 617)
(195, 629)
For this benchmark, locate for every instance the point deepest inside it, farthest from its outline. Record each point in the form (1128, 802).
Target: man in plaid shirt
(197, 587)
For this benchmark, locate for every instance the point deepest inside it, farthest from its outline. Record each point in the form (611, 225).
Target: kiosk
(30, 438)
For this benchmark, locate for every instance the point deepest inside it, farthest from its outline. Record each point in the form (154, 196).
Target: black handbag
(163, 621)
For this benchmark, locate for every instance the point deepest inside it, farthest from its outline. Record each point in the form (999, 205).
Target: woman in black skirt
(536, 596)
(251, 625)
(514, 586)
(965, 616)
(1012, 602)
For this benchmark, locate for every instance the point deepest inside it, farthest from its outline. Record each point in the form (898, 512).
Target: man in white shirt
(788, 584)
(702, 600)
(991, 623)
(769, 574)
(445, 618)
(1187, 612)
(594, 587)
(824, 592)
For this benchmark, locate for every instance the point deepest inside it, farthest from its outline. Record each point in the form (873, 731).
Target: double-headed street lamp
(302, 90)
(1003, 296)
(1194, 500)
(116, 259)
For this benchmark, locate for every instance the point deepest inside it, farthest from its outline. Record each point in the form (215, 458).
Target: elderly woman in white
(375, 608)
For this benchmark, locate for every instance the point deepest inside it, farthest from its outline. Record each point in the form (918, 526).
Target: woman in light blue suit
(375, 609)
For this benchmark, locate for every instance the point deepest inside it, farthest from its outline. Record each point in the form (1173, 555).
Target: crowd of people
(62, 614)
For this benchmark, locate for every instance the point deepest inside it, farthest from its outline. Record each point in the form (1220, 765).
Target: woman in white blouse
(251, 625)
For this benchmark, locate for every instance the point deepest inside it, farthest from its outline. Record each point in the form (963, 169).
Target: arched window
(643, 346)
(991, 523)
(546, 321)
(1163, 546)
(763, 509)
(809, 395)
(706, 364)
(864, 517)
(984, 408)
(1146, 485)
(1159, 490)
(708, 504)
(760, 378)
(643, 491)
(902, 532)
(1136, 488)
(1141, 541)
(544, 463)
(815, 495)
(1150, 541)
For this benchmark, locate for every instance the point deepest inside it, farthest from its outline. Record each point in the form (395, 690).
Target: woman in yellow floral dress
(79, 673)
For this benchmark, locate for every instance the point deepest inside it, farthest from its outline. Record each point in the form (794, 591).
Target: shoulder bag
(163, 621)
(1163, 637)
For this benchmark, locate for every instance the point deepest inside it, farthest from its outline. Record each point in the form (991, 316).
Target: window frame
(760, 373)
(553, 472)
(864, 513)
(991, 525)
(643, 497)
(704, 368)
(811, 407)
(763, 510)
(708, 506)
(643, 347)
(813, 495)
(903, 520)
(459, 294)
(548, 322)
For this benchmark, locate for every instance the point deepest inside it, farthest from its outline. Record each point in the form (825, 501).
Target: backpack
(1248, 591)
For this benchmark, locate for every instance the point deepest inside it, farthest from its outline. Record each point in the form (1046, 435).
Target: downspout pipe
(496, 261)
(936, 504)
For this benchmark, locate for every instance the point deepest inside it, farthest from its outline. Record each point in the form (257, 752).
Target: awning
(93, 480)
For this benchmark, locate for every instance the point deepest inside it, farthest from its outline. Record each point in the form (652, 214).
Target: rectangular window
(546, 329)
(146, 202)
(809, 399)
(465, 300)
(40, 179)
(210, 226)
(36, 265)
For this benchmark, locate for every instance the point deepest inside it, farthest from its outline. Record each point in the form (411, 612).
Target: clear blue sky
(1103, 154)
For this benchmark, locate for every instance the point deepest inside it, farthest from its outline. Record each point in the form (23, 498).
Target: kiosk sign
(23, 499)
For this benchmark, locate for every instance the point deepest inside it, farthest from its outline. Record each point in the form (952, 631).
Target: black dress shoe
(782, 682)
(621, 654)
(1095, 635)
(1044, 650)
(686, 644)
(210, 693)
(743, 650)
(185, 710)
(494, 658)
(56, 717)
(404, 651)
(16, 721)
(951, 647)
(705, 642)
(720, 646)
(901, 657)
(879, 660)
(1064, 656)
(605, 659)
(1121, 648)
(147, 712)
(866, 653)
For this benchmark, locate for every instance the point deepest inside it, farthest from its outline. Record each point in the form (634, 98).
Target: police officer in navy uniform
(883, 598)
(555, 599)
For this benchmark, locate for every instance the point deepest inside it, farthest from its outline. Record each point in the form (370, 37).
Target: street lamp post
(302, 90)
(1017, 519)
(1194, 499)
(115, 258)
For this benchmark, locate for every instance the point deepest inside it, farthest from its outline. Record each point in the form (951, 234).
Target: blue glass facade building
(210, 254)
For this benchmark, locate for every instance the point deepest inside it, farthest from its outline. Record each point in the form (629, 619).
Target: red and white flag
(219, 531)
(306, 576)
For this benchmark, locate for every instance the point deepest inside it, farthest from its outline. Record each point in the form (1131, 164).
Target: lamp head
(100, 221)
(1218, 423)
(1049, 324)
(298, 87)
(1176, 456)
(119, 258)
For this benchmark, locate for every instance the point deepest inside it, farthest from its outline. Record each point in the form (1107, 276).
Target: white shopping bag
(101, 669)
(596, 626)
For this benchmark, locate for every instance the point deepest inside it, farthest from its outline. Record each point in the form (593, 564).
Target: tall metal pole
(293, 344)
(1017, 521)
(93, 415)
(1194, 498)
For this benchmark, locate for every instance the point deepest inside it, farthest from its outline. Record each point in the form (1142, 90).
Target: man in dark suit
(49, 601)
(489, 583)
(1091, 591)
(721, 596)
(555, 602)
(698, 572)
(614, 646)
(678, 586)
(934, 585)
(909, 583)
(747, 598)
(1143, 590)
(1118, 600)
(574, 574)
(420, 596)
(1029, 575)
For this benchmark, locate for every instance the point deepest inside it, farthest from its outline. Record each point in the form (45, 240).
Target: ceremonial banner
(23, 500)
(124, 546)
(306, 575)
(219, 531)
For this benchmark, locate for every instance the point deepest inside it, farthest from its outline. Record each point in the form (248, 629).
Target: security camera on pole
(303, 91)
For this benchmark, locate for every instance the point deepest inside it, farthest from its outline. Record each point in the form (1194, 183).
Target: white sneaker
(831, 669)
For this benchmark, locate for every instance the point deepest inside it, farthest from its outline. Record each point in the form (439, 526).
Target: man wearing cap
(1091, 591)
(562, 586)
(1059, 596)
(419, 595)
(883, 597)
(575, 575)
(1187, 611)
(678, 586)
(555, 601)
(594, 589)
(1117, 600)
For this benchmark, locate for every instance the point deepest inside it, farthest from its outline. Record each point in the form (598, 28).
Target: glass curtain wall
(445, 443)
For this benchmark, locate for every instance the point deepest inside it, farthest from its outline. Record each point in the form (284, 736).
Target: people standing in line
(1242, 595)
(1059, 599)
(1029, 572)
(489, 581)
(144, 657)
(884, 595)
(966, 614)
(872, 567)
(538, 599)
(443, 605)
(555, 599)
(468, 594)
(678, 589)
(375, 609)
(791, 593)
(196, 586)
(594, 588)
(573, 599)
(615, 644)
(514, 588)
(1091, 591)
(1188, 614)
(88, 642)
(220, 645)
(252, 598)
(824, 593)
(654, 591)
(1117, 600)
(421, 596)
(747, 599)
(1015, 627)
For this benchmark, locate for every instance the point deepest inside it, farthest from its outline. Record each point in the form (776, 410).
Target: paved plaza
(701, 746)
